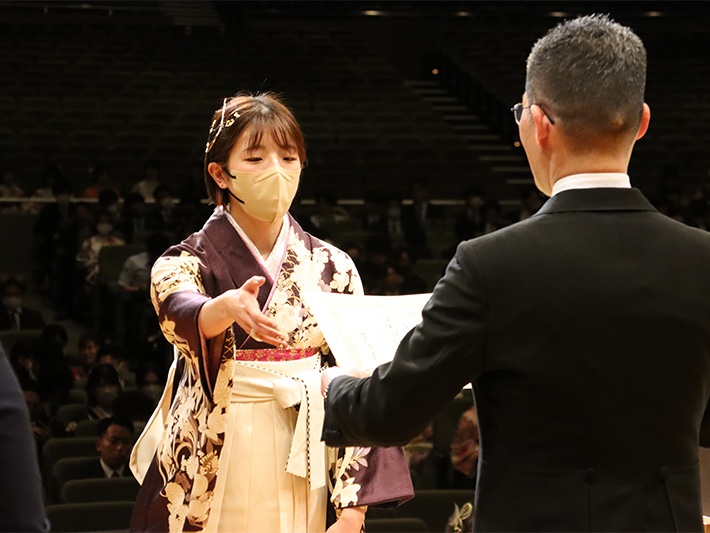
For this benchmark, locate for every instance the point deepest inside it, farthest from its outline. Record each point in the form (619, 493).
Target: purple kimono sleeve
(377, 477)
(178, 319)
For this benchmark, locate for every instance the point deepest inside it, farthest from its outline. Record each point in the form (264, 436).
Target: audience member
(23, 359)
(469, 222)
(404, 227)
(133, 225)
(531, 201)
(150, 181)
(133, 281)
(114, 442)
(134, 405)
(9, 188)
(15, 314)
(52, 218)
(327, 212)
(109, 201)
(39, 418)
(101, 179)
(102, 388)
(492, 217)
(150, 380)
(163, 215)
(373, 215)
(465, 446)
(88, 256)
(373, 268)
(54, 374)
(88, 346)
(422, 211)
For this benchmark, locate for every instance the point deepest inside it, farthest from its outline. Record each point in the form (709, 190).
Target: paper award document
(364, 331)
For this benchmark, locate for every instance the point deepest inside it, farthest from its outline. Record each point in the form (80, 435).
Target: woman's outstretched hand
(240, 306)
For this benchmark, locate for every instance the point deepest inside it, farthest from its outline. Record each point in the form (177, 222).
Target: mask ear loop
(229, 190)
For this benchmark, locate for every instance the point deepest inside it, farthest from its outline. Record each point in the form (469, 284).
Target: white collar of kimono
(272, 264)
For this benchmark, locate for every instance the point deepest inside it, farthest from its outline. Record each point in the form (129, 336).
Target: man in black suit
(114, 444)
(14, 314)
(21, 498)
(585, 329)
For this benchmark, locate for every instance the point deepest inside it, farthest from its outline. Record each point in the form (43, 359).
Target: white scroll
(364, 331)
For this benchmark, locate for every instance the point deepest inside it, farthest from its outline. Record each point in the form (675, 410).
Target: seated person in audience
(163, 215)
(10, 189)
(421, 210)
(150, 380)
(421, 460)
(372, 216)
(468, 223)
(133, 281)
(102, 389)
(531, 201)
(51, 228)
(88, 355)
(101, 179)
(23, 359)
(493, 218)
(114, 444)
(133, 224)
(54, 374)
(112, 355)
(465, 449)
(88, 256)
(39, 419)
(134, 405)
(14, 314)
(151, 179)
(110, 202)
(327, 212)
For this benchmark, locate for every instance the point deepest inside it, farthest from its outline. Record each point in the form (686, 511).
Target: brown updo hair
(263, 113)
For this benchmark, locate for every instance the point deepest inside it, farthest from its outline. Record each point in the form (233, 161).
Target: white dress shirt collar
(109, 471)
(592, 181)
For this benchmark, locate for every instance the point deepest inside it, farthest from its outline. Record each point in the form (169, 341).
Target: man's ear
(645, 119)
(218, 175)
(542, 125)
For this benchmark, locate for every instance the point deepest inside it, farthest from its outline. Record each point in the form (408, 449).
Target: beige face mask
(265, 195)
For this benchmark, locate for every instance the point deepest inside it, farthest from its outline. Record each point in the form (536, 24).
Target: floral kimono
(191, 441)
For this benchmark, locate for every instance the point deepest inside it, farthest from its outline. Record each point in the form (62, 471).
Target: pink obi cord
(275, 354)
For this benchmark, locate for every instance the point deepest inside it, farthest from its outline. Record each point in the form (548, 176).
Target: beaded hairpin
(222, 125)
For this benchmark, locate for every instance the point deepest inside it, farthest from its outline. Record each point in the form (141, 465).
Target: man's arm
(432, 364)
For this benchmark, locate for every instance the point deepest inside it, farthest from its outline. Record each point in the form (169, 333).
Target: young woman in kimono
(234, 445)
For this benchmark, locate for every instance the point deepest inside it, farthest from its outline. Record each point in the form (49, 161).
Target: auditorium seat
(99, 490)
(9, 338)
(397, 525)
(60, 448)
(94, 516)
(65, 470)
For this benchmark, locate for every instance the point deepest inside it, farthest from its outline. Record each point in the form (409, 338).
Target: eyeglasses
(517, 111)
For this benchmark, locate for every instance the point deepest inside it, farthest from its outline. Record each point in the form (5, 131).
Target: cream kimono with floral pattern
(179, 482)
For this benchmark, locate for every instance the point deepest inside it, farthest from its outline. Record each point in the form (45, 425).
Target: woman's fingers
(252, 285)
(250, 318)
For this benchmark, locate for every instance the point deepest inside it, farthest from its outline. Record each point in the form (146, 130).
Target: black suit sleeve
(705, 429)
(21, 500)
(432, 364)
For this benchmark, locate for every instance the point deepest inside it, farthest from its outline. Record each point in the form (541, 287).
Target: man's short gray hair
(590, 72)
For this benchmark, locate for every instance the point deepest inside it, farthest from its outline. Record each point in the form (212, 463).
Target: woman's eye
(253, 159)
